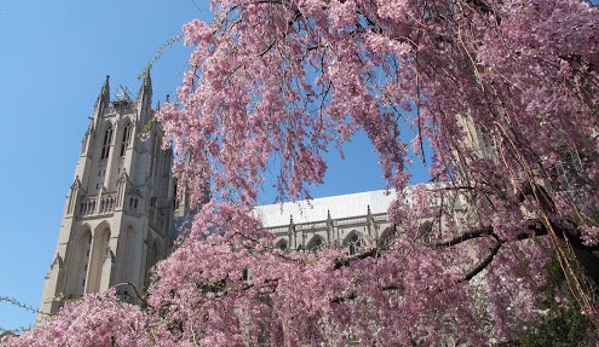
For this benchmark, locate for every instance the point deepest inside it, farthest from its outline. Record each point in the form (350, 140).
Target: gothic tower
(119, 211)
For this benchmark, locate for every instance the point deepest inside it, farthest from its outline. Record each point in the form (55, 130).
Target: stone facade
(344, 221)
(118, 213)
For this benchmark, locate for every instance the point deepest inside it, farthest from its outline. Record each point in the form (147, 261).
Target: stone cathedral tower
(119, 211)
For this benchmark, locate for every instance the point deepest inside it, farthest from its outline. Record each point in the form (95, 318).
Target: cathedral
(121, 213)
(119, 210)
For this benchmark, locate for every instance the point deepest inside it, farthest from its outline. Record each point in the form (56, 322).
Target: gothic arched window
(82, 260)
(386, 236)
(106, 143)
(126, 139)
(315, 244)
(282, 245)
(354, 243)
(100, 262)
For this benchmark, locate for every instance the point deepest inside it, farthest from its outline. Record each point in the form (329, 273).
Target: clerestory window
(355, 243)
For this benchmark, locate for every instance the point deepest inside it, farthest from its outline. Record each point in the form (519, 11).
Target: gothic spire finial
(104, 97)
(147, 79)
(144, 98)
(146, 86)
(105, 93)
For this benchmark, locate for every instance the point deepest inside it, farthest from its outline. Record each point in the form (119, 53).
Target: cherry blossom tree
(505, 94)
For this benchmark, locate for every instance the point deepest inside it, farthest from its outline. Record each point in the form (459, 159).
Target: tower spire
(144, 98)
(104, 97)
(146, 86)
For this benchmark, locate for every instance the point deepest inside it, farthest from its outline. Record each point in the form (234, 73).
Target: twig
(135, 290)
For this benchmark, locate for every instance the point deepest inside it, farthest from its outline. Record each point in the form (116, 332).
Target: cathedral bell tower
(119, 209)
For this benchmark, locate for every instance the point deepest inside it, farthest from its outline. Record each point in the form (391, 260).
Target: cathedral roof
(340, 206)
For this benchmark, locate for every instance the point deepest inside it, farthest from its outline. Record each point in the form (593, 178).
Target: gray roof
(341, 206)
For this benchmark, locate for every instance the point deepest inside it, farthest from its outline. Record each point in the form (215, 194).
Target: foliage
(505, 92)
(561, 323)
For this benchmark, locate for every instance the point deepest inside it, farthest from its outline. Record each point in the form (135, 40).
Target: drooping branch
(19, 304)
(484, 262)
(531, 229)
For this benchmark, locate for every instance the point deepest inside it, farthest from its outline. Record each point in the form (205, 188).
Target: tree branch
(469, 235)
(482, 264)
(135, 290)
(341, 262)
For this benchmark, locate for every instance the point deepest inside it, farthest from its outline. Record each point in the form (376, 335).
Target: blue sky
(54, 57)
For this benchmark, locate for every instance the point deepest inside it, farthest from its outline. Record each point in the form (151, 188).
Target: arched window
(315, 243)
(106, 143)
(82, 262)
(100, 262)
(386, 236)
(126, 139)
(282, 245)
(354, 242)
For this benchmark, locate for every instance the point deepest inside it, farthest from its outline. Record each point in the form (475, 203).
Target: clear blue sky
(54, 57)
